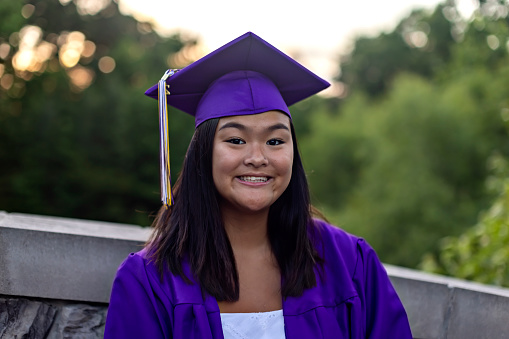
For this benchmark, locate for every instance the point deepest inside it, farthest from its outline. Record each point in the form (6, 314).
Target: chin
(255, 208)
(249, 207)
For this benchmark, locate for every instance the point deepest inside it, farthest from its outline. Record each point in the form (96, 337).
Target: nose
(256, 156)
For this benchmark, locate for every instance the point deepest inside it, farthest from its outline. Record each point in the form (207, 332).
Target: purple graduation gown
(353, 299)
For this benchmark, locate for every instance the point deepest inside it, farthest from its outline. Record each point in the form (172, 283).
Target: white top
(263, 325)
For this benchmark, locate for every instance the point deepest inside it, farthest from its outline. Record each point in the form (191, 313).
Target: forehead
(256, 121)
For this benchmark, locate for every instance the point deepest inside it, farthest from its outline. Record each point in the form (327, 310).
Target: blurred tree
(335, 151)
(419, 44)
(402, 161)
(482, 252)
(11, 22)
(405, 170)
(482, 45)
(79, 138)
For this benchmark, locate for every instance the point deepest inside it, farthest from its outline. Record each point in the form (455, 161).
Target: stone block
(426, 305)
(59, 258)
(477, 315)
(441, 307)
(21, 318)
(35, 319)
(79, 321)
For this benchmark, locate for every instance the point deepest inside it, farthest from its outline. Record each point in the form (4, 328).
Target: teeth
(254, 179)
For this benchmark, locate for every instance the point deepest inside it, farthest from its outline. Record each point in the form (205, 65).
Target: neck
(246, 231)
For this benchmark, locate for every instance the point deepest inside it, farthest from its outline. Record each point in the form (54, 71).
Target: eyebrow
(242, 127)
(278, 126)
(233, 125)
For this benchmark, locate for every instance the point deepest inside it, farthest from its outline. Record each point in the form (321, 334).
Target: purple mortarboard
(245, 76)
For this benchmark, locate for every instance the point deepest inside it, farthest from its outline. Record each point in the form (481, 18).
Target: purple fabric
(240, 93)
(246, 53)
(353, 299)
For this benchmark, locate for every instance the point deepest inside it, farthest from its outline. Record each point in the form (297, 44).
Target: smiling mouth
(254, 179)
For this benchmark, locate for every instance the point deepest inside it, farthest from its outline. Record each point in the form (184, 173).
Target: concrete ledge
(75, 261)
(59, 258)
(442, 307)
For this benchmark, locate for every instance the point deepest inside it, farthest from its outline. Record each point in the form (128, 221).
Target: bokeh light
(4, 50)
(45, 51)
(73, 44)
(14, 39)
(188, 54)
(29, 36)
(32, 53)
(493, 41)
(416, 39)
(27, 11)
(106, 64)
(6, 81)
(69, 57)
(91, 7)
(88, 49)
(81, 77)
(23, 60)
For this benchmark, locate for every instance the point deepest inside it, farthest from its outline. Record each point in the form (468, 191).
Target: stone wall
(447, 308)
(30, 318)
(56, 275)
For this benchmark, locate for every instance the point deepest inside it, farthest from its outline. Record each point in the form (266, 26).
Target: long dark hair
(192, 229)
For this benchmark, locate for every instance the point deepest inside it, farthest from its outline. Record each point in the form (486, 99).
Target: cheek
(223, 162)
(284, 165)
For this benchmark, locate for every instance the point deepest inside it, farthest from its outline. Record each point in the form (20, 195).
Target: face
(252, 160)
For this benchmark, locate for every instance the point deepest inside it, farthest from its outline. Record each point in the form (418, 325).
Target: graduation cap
(245, 76)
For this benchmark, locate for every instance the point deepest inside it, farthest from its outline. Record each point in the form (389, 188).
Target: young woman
(235, 252)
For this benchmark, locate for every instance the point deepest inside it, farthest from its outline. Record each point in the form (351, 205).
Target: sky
(316, 30)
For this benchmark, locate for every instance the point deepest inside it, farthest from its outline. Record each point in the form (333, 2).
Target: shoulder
(138, 305)
(335, 244)
(334, 233)
(333, 238)
(139, 271)
(135, 262)
(136, 269)
(351, 264)
(336, 282)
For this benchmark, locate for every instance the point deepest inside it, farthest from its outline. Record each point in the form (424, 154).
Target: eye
(275, 142)
(236, 141)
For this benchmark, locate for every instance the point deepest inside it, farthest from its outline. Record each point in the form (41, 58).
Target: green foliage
(405, 170)
(10, 12)
(86, 151)
(402, 162)
(482, 252)
(334, 152)
(475, 51)
(420, 44)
